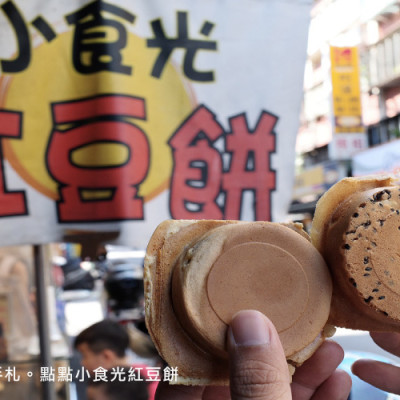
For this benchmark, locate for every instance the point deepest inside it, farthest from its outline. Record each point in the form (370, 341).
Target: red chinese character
(341, 143)
(11, 202)
(99, 120)
(250, 167)
(357, 143)
(196, 178)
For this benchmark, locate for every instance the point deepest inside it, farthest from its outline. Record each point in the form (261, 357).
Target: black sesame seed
(377, 196)
(367, 275)
(368, 269)
(353, 282)
(355, 215)
(368, 299)
(381, 297)
(375, 290)
(381, 222)
(366, 260)
(380, 204)
(346, 246)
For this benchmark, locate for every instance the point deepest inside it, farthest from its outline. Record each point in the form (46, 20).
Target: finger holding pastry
(258, 368)
(319, 378)
(382, 375)
(389, 341)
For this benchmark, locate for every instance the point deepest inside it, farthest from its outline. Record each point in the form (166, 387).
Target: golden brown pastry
(198, 274)
(357, 230)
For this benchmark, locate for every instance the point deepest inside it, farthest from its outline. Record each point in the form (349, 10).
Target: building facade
(373, 27)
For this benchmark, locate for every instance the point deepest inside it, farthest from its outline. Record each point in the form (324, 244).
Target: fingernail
(249, 328)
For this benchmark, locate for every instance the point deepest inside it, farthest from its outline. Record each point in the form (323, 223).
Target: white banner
(116, 115)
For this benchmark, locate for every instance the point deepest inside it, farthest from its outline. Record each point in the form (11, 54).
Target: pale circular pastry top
(252, 285)
(262, 266)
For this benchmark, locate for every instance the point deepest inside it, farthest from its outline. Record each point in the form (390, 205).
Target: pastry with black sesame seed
(356, 228)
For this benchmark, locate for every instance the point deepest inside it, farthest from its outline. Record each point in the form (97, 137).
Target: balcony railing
(383, 60)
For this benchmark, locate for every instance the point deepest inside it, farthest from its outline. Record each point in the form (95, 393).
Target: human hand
(383, 376)
(259, 369)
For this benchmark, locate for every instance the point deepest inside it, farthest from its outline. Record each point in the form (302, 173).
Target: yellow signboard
(346, 90)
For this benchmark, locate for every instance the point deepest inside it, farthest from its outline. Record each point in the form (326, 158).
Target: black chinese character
(182, 41)
(92, 52)
(23, 58)
(44, 28)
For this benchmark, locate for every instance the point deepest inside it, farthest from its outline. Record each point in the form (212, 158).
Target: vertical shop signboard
(117, 115)
(348, 130)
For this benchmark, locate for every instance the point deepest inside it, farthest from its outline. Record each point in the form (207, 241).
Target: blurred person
(15, 281)
(117, 386)
(102, 344)
(105, 344)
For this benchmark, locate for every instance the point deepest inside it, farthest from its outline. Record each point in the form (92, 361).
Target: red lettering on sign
(11, 202)
(341, 144)
(250, 167)
(81, 185)
(197, 173)
(357, 144)
(202, 187)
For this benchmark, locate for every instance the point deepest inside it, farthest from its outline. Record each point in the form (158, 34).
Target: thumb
(258, 368)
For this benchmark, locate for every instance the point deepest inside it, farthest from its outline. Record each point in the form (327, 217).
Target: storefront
(309, 186)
